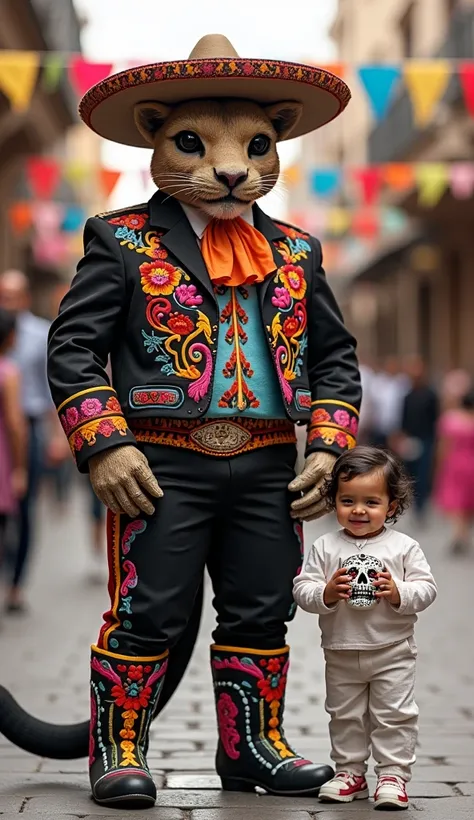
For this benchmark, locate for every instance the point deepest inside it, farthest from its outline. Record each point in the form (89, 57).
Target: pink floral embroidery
(341, 440)
(106, 428)
(342, 418)
(281, 299)
(187, 296)
(92, 730)
(72, 416)
(354, 426)
(226, 713)
(91, 408)
(77, 442)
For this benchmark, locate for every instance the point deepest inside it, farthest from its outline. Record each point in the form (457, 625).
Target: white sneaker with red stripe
(390, 793)
(344, 788)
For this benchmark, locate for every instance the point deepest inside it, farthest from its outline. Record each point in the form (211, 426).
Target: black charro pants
(229, 514)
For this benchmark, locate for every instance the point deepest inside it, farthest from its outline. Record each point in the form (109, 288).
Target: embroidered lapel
(166, 212)
(272, 233)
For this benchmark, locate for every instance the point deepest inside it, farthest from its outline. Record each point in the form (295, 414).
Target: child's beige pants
(370, 698)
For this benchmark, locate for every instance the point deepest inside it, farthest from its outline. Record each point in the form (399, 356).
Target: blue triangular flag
(325, 181)
(379, 82)
(74, 218)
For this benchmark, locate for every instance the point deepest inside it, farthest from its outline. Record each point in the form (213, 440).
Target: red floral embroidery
(113, 405)
(132, 693)
(320, 415)
(290, 326)
(133, 221)
(181, 324)
(273, 686)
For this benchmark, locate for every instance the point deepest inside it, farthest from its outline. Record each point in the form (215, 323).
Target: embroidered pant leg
(347, 703)
(393, 709)
(256, 552)
(157, 562)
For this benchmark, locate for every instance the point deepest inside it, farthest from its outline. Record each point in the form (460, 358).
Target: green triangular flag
(53, 67)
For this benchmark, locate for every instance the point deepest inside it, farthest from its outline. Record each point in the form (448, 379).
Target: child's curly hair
(363, 460)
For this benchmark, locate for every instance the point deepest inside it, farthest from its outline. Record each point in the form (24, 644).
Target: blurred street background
(388, 188)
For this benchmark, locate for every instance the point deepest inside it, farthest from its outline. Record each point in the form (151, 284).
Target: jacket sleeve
(80, 341)
(333, 369)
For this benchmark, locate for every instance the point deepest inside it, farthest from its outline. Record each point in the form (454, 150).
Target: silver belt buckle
(221, 437)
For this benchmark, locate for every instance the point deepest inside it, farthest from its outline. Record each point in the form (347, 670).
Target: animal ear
(284, 116)
(149, 117)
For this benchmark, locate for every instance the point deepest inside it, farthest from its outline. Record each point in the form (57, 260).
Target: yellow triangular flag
(338, 221)
(426, 81)
(18, 73)
(432, 179)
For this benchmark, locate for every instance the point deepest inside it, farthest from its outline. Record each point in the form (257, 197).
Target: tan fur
(226, 128)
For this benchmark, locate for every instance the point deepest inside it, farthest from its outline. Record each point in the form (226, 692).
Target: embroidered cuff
(93, 421)
(333, 426)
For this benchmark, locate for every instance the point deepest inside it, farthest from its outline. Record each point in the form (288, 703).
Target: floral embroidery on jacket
(129, 232)
(87, 416)
(288, 331)
(334, 422)
(184, 334)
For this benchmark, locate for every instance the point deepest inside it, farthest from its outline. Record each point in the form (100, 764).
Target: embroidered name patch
(170, 397)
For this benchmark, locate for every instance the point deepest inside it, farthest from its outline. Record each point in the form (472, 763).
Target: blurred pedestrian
(389, 388)
(45, 437)
(13, 435)
(98, 555)
(420, 411)
(454, 489)
(454, 386)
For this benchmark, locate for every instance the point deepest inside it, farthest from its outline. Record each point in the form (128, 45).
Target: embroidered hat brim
(107, 108)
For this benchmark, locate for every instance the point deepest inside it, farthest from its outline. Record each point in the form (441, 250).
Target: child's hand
(387, 588)
(337, 588)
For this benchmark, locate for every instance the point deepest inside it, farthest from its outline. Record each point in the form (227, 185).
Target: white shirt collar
(200, 220)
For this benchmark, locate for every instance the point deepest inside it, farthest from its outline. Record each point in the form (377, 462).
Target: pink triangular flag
(461, 178)
(83, 75)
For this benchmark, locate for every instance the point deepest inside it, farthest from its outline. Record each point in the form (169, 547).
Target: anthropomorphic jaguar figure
(222, 334)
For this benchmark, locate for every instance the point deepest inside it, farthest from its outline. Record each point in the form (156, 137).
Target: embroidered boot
(124, 695)
(249, 687)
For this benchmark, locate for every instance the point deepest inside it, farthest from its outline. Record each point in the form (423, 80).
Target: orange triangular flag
(21, 216)
(108, 180)
(426, 81)
(18, 73)
(398, 175)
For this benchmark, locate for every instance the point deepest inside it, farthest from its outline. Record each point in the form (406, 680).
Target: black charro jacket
(142, 296)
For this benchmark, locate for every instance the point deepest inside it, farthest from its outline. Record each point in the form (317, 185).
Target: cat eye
(189, 142)
(260, 145)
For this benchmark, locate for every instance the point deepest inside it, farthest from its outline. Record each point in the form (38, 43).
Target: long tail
(69, 741)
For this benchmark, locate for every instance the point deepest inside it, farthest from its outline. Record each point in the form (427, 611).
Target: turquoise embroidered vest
(245, 382)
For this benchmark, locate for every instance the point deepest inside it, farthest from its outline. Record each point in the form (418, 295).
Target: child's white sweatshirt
(344, 627)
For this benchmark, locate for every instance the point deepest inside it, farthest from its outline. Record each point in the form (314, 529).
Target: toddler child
(367, 583)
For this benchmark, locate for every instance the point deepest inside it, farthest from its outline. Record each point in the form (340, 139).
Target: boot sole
(240, 785)
(131, 801)
(349, 799)
(390, 805)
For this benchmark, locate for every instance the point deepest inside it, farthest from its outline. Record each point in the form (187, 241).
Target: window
(406, 31)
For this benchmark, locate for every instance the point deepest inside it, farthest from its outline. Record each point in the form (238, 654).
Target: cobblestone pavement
(44, 660)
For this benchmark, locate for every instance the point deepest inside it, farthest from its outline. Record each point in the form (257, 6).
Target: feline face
(218, 155)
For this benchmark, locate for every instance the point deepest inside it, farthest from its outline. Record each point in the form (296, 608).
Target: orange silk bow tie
(235, 253)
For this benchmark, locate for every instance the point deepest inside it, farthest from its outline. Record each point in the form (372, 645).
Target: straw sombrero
(214, 69)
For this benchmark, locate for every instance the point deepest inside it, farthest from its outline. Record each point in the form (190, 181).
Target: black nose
(229, 179)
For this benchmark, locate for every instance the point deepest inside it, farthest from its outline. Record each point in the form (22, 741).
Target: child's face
(362, 504)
